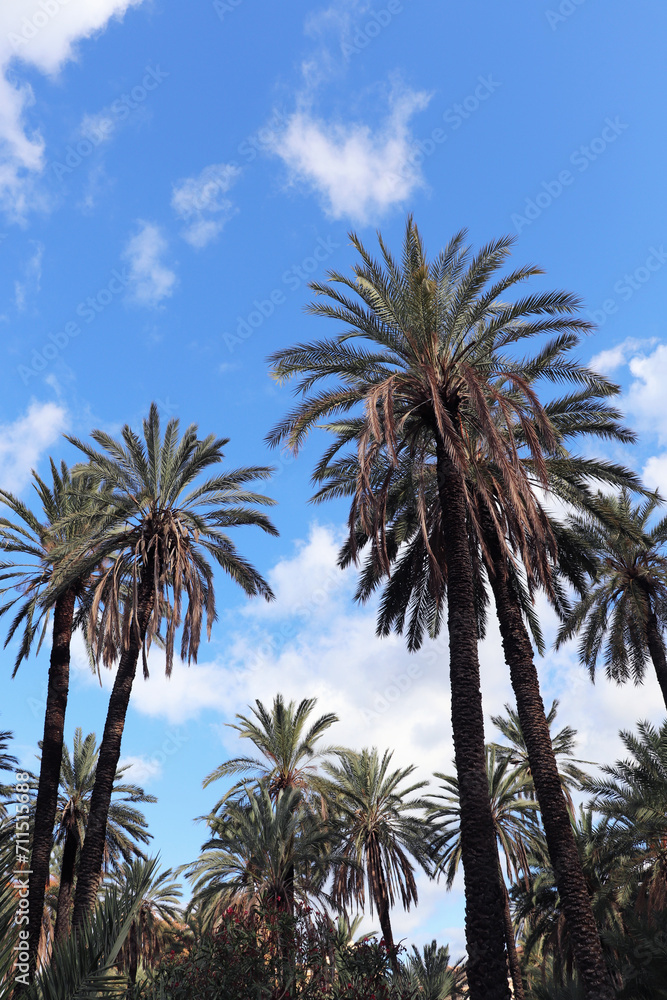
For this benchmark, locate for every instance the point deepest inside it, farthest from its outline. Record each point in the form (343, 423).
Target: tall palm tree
(126, 825)
(31, 543)
(157, 525)
(515, 814)
(381, 828)
(624, 610)
(437, 375)
(286, 740)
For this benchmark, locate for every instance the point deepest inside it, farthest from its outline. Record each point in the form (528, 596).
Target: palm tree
(67, 508)
(431, 976)
(286, 739)
(632, 795)
(515, 814)
(563, 742)
(8, 762)
(158, 910)
(126, 825)
(267, 851)
(157, 526)
(624, 610)
(438, 377)
(380, 832)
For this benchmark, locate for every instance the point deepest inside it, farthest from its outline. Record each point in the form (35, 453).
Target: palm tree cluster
(457, 421)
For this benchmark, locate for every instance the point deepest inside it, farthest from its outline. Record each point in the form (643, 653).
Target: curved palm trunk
(67, 869)
(485, 934)
(49, 770)
(656, 648)
(92, 852)
(563, 852)
(512, 955)
(134, 953)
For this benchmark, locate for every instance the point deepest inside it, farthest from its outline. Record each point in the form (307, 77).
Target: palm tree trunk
(49, 770)
(67, 868)
(656, 648)
(563, 852)
(485, 937)
(381, 900)
(512, 955)
(92, 852)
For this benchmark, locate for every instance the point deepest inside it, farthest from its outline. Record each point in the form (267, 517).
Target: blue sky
(171, 176)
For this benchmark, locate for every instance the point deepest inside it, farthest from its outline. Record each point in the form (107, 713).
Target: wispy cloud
(43, 37)
(23, 442)
(202, 204)
(151, 280)
(357, 172)
(31, 276)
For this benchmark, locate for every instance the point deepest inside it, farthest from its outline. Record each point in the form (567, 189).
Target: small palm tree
(158, 912)
(515, 814)
(624, 611)
(563, 742)
(126, 825)
(157, 526)
(380, 831)
(431, 976)
(267, 851)
(8, 762)
(632, 795)
(31, 542)
(286, 739)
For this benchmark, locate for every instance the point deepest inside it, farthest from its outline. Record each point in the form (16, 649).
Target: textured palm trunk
(656, 648)
(381, 900)
(485, 931)
(92, 852)
(67, 869)
(512, 954)
(563, 852)
(49, 771)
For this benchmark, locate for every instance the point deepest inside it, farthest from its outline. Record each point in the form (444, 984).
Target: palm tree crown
(286, 739)
(624, 612)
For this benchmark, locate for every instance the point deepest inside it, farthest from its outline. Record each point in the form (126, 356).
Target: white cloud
(614, 357)
(200, 202)
(23, 442)
(42, 36)
(141, 769)
(654, 473)
(356, 171)
(32, 276)
(151, 279)
(645, 399)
